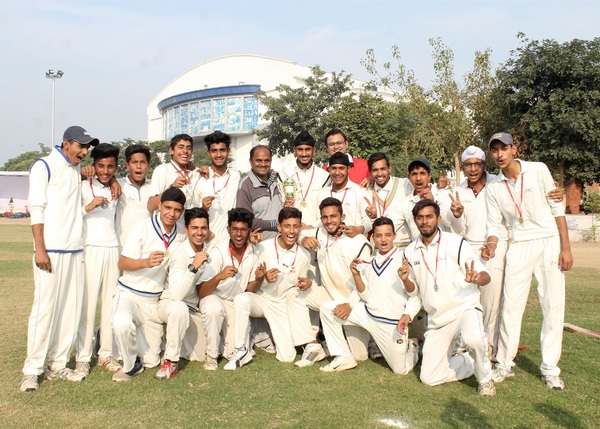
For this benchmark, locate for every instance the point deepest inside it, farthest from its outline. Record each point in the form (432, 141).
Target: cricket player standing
(57, 228)
(540, 247)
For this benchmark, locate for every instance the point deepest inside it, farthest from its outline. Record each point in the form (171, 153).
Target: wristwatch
(192, 269)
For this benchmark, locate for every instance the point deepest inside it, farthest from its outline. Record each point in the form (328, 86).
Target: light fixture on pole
(51, 74)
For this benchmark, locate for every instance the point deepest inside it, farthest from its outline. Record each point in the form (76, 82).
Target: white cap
(472, 152)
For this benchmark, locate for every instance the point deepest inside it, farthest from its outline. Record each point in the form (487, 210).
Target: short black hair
(331, 202)
(260, 146)
(217, 137)
(240, 215)
(381, 221)
(105, 150)
(137, 148)
(425, 203)
(377, 156)
(177, 138)
(333, 132)
(289, 213)
(195, 213)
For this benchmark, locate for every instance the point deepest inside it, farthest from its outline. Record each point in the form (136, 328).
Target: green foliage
(551, 96)
(292, 110)
(24, 161)
(591, 203)
(445, 119)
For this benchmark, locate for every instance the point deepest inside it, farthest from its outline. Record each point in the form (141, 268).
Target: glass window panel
(176, 120)
(184, 118)
(250, 113)
(218, 118)
(205, 107)
(194, 118)
(234, 114)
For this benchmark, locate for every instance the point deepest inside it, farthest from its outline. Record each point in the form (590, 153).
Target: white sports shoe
(111, 364)
(313, 352)
(241, 358)
(501, 374)
(210, 364)
(339, 363)
(554, 382)
(486, 389)
(29, 383)
(64, 374)
(121, 376)
(82, 368)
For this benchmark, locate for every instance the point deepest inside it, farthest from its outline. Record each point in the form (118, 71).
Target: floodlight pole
(51, 74)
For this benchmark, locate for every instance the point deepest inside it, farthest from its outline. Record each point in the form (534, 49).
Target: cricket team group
(343, 262)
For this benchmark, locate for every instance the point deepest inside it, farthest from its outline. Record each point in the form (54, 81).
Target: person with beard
(443, 271)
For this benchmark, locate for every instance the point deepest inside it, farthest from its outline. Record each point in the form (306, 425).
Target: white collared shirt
(309, 183)
(221, 257)
(132, 207)
(99, 224)
(225, 189)
(353, 202)
(539, 211)
(291, 263)
(442, 263)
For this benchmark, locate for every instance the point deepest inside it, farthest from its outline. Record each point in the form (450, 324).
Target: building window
(184, 118)
(194, 118)
(250, 113)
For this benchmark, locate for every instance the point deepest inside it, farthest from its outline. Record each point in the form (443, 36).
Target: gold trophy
(289, 184)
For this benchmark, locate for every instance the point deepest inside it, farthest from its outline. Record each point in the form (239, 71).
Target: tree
(292, 110)
(551, 99)
(446, 117)
(24, 161)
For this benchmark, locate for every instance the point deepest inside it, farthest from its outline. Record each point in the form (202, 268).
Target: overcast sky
(117, 55)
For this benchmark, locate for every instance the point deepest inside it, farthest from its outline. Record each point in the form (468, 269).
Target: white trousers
(441, 365)
(249, 304)
(101, 276)
(176, 315)
(491, 294)
(193, 347)
(217, 316)
(524, 259)
(400, 357)
(137, 328)
(55, 313)
(304, 332)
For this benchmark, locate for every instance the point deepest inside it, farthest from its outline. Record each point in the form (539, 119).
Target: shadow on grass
(459, 414)
(523, 362)
(560, 417)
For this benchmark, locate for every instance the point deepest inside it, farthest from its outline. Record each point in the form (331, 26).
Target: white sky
(117, 55)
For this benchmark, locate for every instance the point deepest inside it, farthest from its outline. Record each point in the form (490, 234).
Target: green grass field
(269, 394)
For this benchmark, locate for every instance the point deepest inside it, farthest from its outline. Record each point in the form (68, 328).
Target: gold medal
(521, 220)
(303, 204)
(167, 255)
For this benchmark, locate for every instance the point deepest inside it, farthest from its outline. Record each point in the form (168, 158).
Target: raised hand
(371, 209)
(261, 271)
(403, 270)
(443, 180)
(472, 276)
(456, 207)
(255, 236)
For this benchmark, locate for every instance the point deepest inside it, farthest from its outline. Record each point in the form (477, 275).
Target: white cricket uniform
(132, 206)
(384, 302)
(55, 202)
(163, 177)
(453, 308)
(270, 300)
(534, 250)
(136, 324)
(309, 183)
(401, 215)
(224, 189)
(388, 198)
(179, 307)
(101, 254)
(217, 308)
(475, 232)
(353, 202)
(337, 285)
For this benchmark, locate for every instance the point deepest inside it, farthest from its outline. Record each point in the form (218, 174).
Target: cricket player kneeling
(442, 270)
